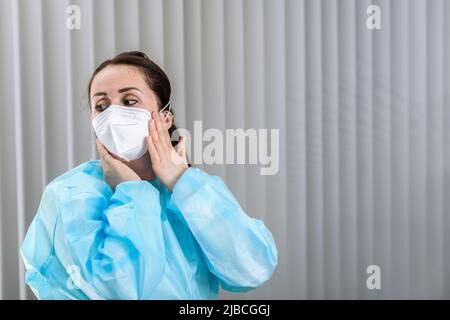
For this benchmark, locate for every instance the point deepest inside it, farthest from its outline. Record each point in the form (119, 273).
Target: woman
(140, 223)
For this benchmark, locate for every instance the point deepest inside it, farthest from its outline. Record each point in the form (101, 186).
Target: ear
(168, 119)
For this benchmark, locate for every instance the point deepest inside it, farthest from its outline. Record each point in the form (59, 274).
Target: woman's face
(121, 85)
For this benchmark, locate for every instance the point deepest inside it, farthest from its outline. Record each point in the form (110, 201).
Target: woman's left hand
(167, 163)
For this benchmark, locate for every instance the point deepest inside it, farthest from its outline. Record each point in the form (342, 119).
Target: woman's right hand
(114, 171)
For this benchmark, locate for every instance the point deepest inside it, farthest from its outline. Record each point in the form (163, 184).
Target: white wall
(363, 115)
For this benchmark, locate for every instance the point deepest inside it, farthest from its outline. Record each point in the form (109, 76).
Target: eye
(129, 102)
(101, 107)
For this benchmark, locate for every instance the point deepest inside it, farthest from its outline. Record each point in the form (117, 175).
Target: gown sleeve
(114, 242)
(239, 250)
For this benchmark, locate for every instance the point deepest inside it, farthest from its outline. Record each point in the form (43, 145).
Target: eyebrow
(120, 91)
(128, 89)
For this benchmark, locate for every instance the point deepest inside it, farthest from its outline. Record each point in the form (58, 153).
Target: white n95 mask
(123, 130)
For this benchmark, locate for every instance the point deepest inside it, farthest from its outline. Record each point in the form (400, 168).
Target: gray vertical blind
(363, 115)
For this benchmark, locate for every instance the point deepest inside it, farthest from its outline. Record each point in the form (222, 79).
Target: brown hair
(155, 77)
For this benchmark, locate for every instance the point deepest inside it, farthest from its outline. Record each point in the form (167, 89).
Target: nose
(115, 100)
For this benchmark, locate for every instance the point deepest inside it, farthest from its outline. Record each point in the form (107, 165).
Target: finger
(159, 127)
(152, 129)
(154, 156)
(165, 132)
(162, 132)
(181, 148)
(150, 126)
(103, 153)
(156, 139)
(180, 154)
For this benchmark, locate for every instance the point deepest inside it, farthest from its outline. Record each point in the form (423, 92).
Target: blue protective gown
(142, 241)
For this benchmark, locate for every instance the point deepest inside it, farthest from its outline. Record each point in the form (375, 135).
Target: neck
(143, 167)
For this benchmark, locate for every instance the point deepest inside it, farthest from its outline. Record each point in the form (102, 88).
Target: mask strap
(169, 104)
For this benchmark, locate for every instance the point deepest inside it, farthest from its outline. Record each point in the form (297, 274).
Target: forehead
(115, 77)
